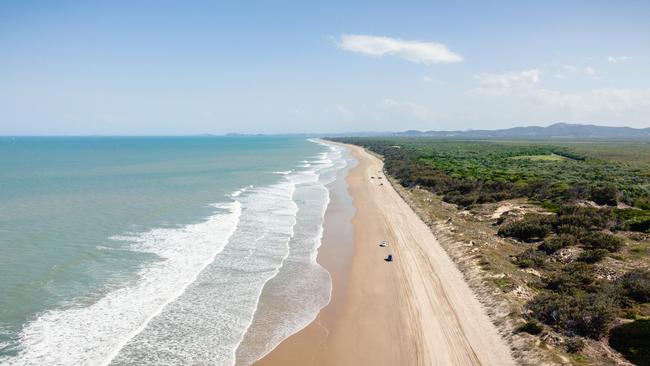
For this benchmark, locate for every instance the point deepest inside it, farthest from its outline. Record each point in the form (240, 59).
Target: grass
(503, 283)
(639, 249)
(580, 360)
(627, 152)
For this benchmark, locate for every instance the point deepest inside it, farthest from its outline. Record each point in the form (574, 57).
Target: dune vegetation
(593, 217)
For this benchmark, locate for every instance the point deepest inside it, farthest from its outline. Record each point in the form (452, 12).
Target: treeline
(468, 173)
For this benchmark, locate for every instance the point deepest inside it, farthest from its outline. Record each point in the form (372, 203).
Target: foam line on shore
(94, 334)
(302, 279)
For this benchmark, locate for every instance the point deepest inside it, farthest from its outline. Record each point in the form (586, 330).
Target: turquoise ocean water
(132, 250)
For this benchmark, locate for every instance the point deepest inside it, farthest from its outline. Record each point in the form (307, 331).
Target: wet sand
(416, 310)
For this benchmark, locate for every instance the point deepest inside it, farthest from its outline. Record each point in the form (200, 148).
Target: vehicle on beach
(382, 243)
(389, 258)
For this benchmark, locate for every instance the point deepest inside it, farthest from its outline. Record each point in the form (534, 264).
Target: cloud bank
(414, 51)
(505, 83)
(527, 84)
(618, 59)
(417, 111)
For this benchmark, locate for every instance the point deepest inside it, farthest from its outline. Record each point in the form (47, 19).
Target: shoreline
(335, 255)
(416, 310)
(293, 298)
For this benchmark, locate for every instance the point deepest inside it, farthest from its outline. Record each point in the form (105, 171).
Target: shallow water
(156, 250)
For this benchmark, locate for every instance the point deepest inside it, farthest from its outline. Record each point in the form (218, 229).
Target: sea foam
(293, 298)
(205, 325)
(93, 335)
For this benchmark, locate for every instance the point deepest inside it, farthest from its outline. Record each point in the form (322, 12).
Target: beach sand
(416, 310)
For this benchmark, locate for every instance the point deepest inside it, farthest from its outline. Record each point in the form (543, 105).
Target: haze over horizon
(158, 68)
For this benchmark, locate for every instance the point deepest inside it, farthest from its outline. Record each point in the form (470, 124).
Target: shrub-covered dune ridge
(587, 239)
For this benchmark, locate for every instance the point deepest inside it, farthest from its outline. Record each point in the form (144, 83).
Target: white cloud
(430, 80)
(571, 69)
(414, 51)
(343, 111)
(526, 85)
(415, 110)
(618, 59)
(505, 83)
(596, 100)
(591, 73)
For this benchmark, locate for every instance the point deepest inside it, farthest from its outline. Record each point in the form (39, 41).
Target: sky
(193, 67)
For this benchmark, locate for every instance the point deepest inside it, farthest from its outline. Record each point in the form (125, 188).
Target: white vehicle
(383, 243)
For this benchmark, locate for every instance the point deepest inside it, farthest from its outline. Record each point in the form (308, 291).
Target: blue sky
(160, 68)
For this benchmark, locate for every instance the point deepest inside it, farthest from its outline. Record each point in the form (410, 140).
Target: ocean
(156, 250)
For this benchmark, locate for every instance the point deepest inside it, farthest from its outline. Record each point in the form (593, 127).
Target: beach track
(415, 310)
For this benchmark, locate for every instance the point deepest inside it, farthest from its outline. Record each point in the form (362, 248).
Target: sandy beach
(416, 310)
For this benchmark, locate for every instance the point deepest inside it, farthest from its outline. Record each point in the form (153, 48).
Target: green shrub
(601, 240)
(636, 285)
(639, 223)
(463, 200)
(575, 220)
(633, 219)
(574, 344)
(587, 315)
(573, 278)
(529, 228)
(531, 327)
(585, 217)
(576, 231)
(632, 340)
(593, 255)
(531, 258)
(604, 194)
(642, 203)
(551, 206)
(555, 243)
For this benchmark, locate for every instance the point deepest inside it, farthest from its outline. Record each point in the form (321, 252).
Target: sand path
(416, 310)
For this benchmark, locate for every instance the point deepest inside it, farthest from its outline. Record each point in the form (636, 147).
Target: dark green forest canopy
(468, 172)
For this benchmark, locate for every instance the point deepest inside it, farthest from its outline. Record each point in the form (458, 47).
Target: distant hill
(555, 131)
